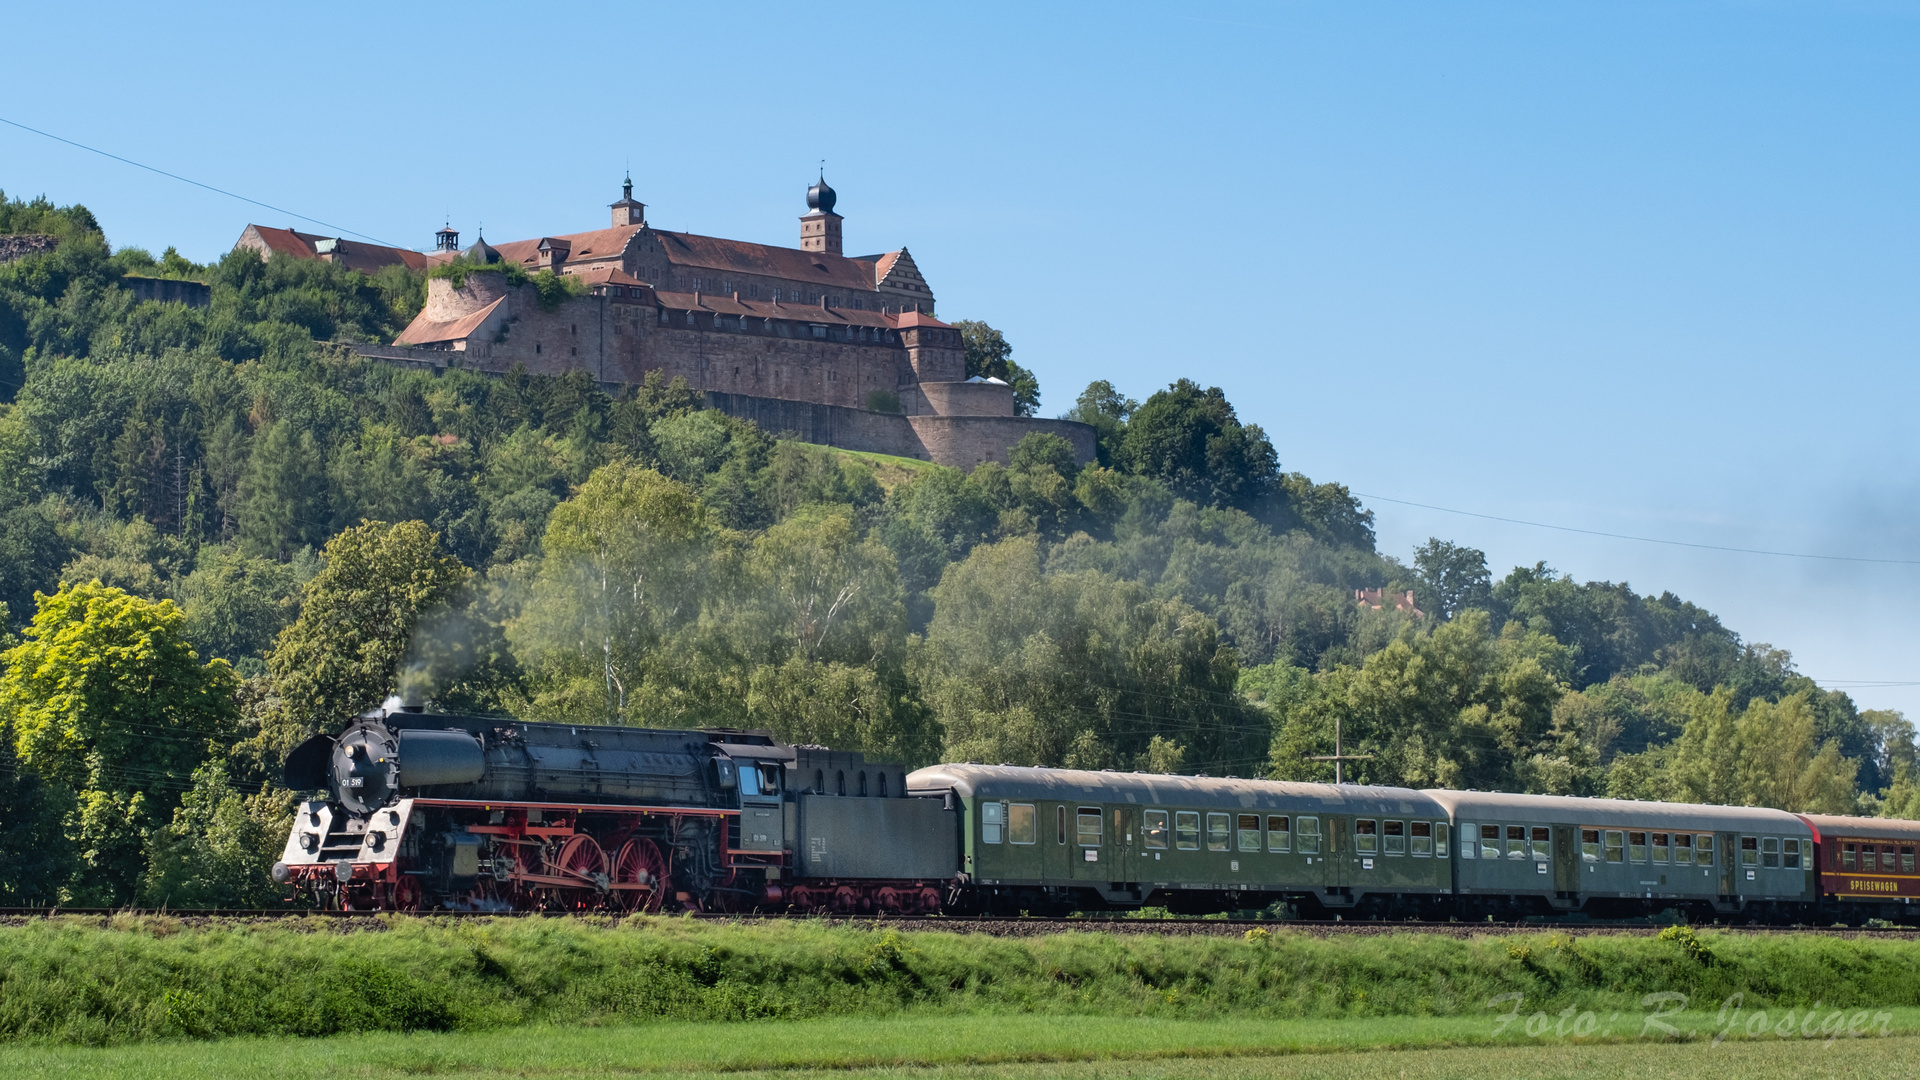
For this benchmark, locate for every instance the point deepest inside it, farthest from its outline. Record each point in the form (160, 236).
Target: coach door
(1126, 822)
(1088, 849)
(1729, 864)
(1339, 853)
(1566, 861)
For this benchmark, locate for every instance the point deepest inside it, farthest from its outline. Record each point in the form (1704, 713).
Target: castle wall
(966, 441)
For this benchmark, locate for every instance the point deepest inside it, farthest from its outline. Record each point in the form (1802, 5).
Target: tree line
(221, 532)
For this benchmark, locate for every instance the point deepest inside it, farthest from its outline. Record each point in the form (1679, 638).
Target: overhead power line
(1643, 539)
(195, 183)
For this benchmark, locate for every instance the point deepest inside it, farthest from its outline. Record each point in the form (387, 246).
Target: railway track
(997, 925)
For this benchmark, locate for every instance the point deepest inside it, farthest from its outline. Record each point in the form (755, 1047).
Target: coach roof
(1831, 825)
(1623, 813)
(1149, 789)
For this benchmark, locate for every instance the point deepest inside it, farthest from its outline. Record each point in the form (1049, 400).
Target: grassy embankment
(140, 979)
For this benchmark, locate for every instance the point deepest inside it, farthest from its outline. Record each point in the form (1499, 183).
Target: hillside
(287, 534)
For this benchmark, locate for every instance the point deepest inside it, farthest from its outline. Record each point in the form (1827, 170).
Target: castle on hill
(808, 342)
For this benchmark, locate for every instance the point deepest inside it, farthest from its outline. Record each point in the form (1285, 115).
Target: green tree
(1452, 577)
(357, 616)
(219, 848)
(1190, 440)
(989, 356)
(106, 698)
(1105, 410)
(619, 585)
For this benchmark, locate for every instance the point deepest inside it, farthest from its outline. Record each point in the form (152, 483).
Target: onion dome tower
(820, 228)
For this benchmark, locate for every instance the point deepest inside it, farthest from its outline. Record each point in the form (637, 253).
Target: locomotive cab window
(1616, 846)
(1516, 841)
(1248, 828)
(1279, 834)
(749, 779)
(993, 822)
(1770, 852)
(1087, 826)
(1366, 836)
(1154, 829)
(1216, 832)
(1682, 849)
(1394, 842)
(1022, 823)
(1589, 845)
(1309, 830)
(1790, 853)
(1422, 838)
(1637, 846)
(1186, 830)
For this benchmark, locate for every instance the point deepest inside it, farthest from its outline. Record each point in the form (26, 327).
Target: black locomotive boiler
(469, 813)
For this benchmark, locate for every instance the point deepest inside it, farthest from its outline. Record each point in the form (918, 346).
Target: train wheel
(640, 863)
(580, 860)
(406, 893)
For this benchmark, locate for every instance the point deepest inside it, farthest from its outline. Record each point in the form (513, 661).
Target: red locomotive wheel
(405, 893)
(582, 862)
(639, 863)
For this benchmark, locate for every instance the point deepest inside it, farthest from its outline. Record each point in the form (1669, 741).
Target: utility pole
(1338, 757)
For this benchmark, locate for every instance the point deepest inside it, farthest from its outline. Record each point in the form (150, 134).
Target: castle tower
(447, 239)
(628, 211)
(820, 229)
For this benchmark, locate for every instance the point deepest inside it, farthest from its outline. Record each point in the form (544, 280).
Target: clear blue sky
(1642, 268)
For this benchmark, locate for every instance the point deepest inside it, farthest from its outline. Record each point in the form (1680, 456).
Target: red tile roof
(422, 332)
(917, 318)
(598, 244)
(608, 275)
(353, 254)
(712, 253)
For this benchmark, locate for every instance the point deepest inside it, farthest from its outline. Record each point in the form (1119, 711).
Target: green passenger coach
(1059, 839)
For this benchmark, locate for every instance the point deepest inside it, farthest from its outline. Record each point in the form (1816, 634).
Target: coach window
(1589, 845)
(1616, 846)
(1847, 856)
(1516, 841)
(1886, 858)
(1749, 851)
(1542, 842)
(1060, 823)
(1422, 839)
(1216, 832)
(993, 822)
(1087, 826)
(1660, 841)
(1469, 840)
(1906, 858)
(1186, 830)
(1022, 823)
(1637, 847)
(1309, 829)
(1790, 854)
(1280, 834)
(1395, 840)
(1440, 838)
(1703, 849)
(1770, 852)
(1155, 829)
(1249, 829)
(1682, 849)
(1366, 837)
(1489, 841)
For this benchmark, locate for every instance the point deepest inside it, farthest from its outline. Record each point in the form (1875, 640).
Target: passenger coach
(1059, 839)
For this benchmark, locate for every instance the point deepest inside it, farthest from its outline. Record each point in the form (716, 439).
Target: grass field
(889, 469)
(136, 980)
(1009, 1046)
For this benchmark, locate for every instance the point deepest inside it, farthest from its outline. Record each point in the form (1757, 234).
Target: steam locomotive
(423, 811)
